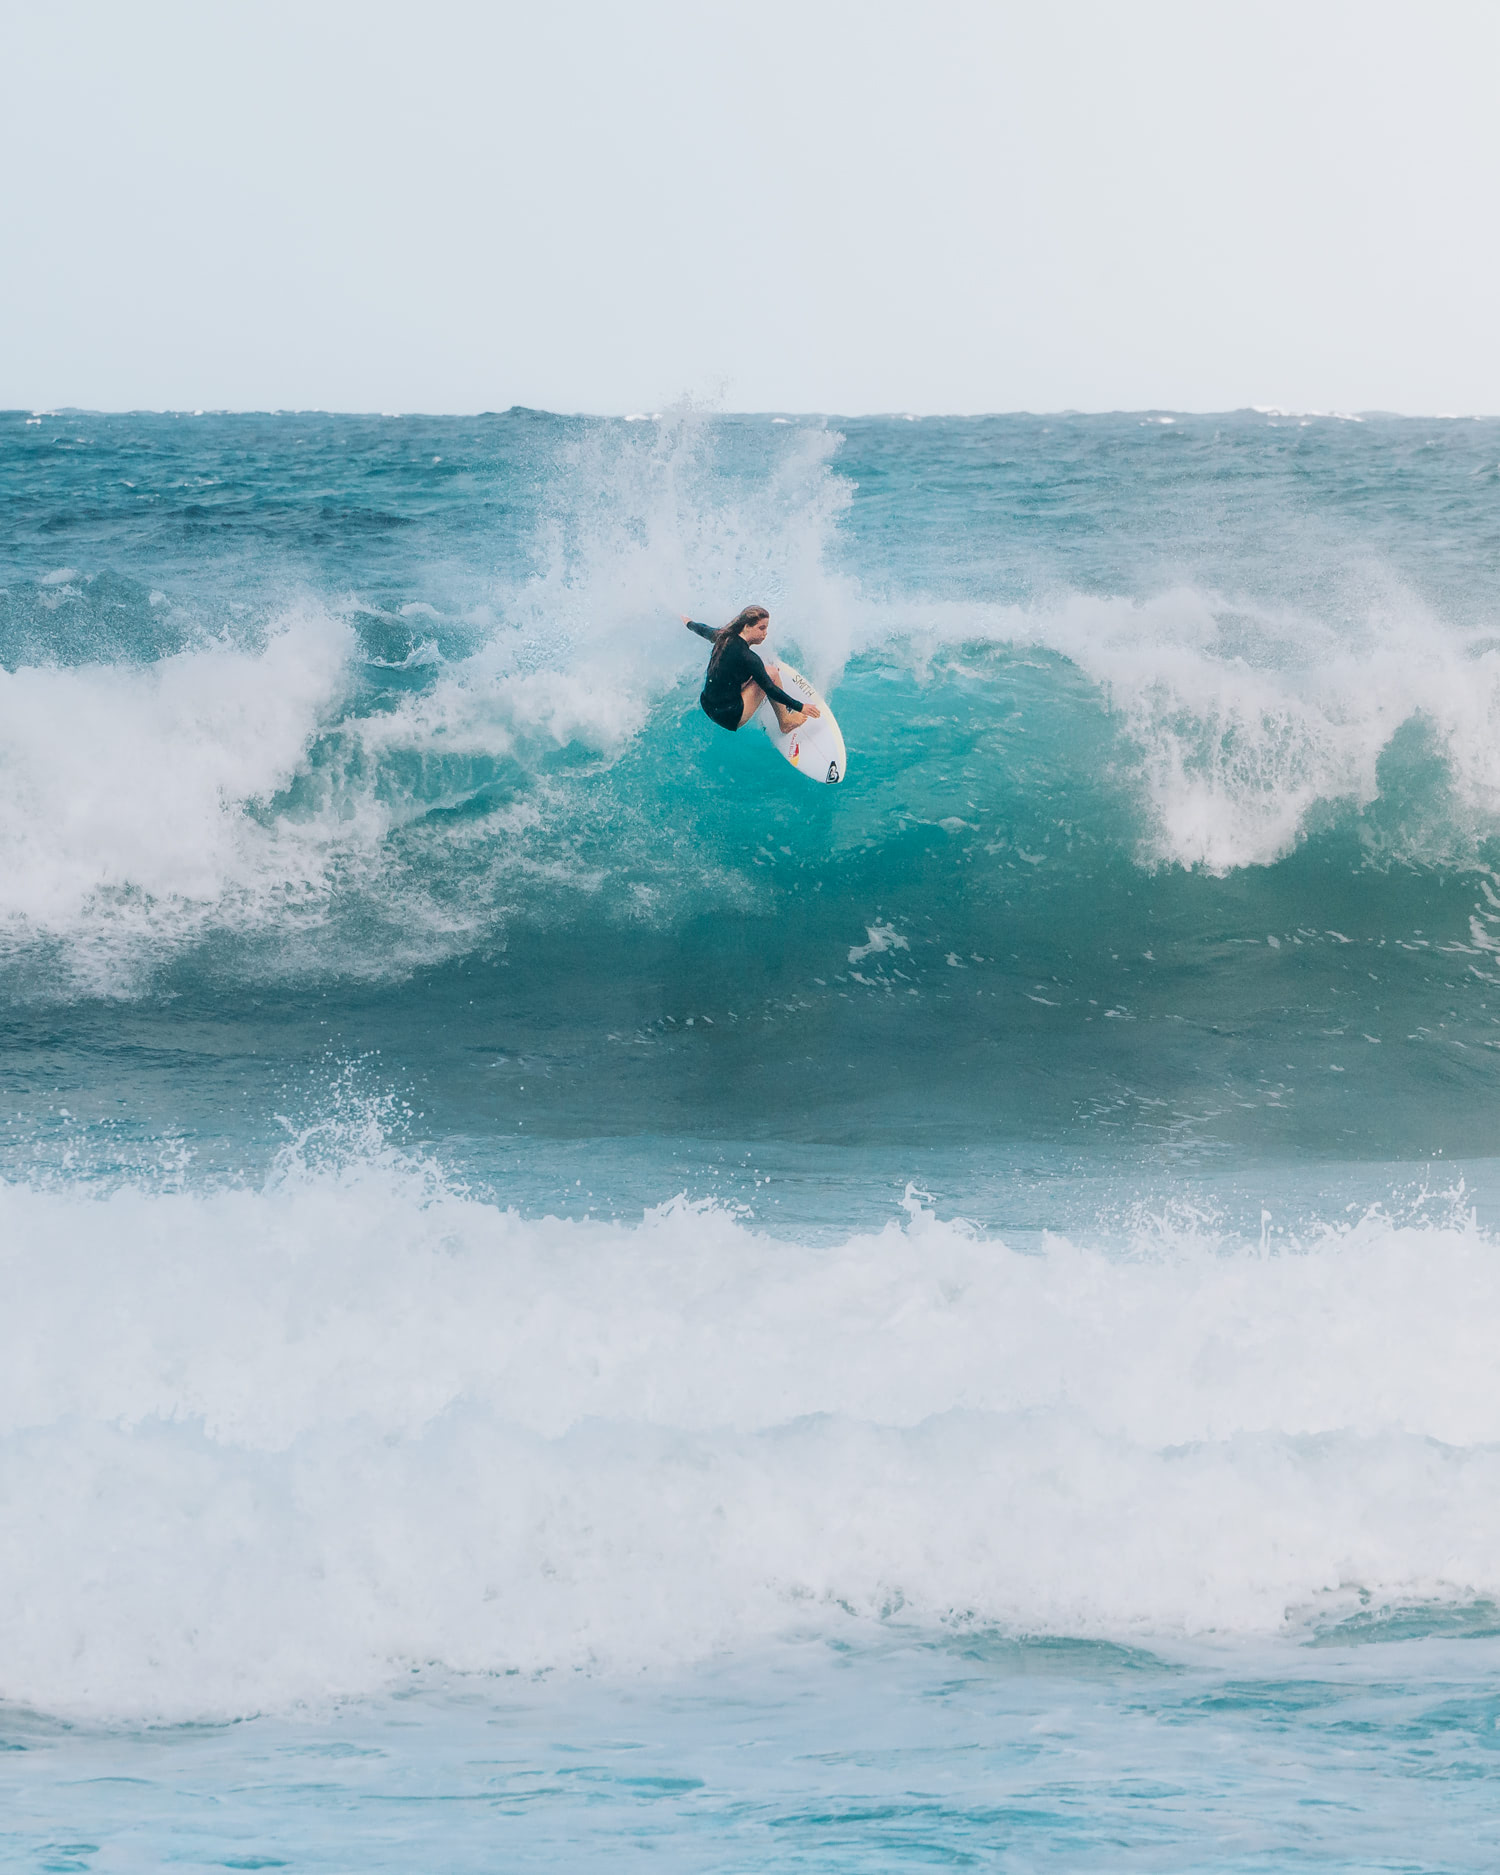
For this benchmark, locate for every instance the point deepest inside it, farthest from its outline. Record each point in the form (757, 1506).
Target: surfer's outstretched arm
(703, 631)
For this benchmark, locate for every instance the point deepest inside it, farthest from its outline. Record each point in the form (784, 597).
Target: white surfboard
(816, 749)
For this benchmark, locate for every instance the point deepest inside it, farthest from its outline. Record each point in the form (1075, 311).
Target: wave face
(457, 1101)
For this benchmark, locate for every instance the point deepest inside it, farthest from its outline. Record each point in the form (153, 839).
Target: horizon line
(1168, 412)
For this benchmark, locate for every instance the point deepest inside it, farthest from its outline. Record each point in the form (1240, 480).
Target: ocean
(572, 1299)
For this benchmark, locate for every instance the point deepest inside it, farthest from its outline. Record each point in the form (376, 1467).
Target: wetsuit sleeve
(703, 631)
(763, 678)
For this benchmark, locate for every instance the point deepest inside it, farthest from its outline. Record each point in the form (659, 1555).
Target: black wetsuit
(737, 666)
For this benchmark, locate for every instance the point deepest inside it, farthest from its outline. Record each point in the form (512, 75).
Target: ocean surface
(571, 1299)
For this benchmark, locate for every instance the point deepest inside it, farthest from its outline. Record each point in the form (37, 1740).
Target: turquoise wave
(1171, 813)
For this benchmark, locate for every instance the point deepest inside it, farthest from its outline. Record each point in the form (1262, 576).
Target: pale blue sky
(786, 204)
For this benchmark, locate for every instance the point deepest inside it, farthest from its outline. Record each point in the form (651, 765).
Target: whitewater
(570, 1297)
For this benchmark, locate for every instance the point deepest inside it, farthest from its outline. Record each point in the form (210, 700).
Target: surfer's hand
(812, 710)
(684, 617)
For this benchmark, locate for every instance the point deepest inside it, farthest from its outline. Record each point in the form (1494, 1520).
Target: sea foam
(268, 1445)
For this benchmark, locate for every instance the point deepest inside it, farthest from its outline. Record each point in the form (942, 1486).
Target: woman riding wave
(738, 682)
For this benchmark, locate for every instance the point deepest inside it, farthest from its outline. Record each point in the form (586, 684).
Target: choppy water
(505, 1183)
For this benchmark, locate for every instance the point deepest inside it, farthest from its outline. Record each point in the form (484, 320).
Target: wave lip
(1243, 729)
(126, 787)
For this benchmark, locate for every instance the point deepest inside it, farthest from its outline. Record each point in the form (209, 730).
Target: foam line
(268, 1445)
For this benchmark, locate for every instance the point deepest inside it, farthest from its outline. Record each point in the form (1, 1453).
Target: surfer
(738, 682)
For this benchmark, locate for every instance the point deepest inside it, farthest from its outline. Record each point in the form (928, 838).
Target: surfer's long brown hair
(751, 615)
